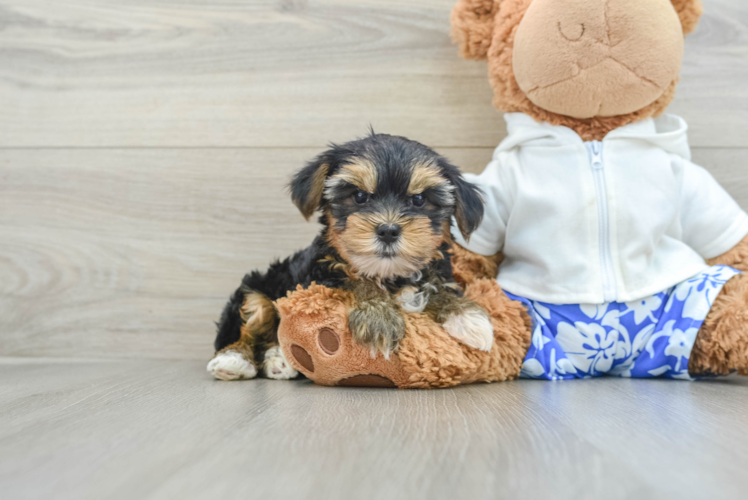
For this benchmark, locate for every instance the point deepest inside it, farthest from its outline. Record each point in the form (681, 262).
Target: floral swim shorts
(650, 337)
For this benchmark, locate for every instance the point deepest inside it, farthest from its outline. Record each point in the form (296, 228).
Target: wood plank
(164, 429)
(113, 429)
(265, 73)
(712, 93)
(290, 73)
(639, 420)
(108, 249)
(132, 253)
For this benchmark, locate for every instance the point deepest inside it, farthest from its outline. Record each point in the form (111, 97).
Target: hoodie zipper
(595, 149)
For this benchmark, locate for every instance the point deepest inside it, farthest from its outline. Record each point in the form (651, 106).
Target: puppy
(387, 204)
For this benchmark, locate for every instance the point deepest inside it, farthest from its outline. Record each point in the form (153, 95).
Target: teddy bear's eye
(572, 32)
(360, 197)
(418, 200)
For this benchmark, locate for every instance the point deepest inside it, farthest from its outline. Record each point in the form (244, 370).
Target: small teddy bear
(603, 250)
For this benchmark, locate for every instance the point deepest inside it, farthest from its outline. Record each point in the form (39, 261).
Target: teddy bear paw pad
(329, 341)
(231, 365)
(276, 366)
(367, 380)
(302, 357)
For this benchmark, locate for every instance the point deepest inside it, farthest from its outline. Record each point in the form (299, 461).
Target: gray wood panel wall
(145, 145)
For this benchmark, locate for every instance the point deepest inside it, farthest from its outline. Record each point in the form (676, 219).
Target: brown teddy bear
(615, 255)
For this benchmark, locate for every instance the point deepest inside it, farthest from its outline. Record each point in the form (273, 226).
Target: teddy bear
(603, 251)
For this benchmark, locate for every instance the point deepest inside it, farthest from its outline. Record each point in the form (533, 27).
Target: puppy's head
(388, 202)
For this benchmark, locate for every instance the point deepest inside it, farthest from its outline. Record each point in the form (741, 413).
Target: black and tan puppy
(387, 205)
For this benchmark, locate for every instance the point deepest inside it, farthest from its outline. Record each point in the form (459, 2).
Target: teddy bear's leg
(314, 336)
(721, 347)
(468, 266)
(434, 358)
(461, 317)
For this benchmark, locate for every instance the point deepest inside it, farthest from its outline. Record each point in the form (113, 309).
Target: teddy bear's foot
(276, 366)
(472, 327)
(329, 356)
(231, 365)
(721, 346)
(315, 338)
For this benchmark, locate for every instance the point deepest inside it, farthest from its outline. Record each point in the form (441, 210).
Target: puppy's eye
(418, 200)
(360, 197)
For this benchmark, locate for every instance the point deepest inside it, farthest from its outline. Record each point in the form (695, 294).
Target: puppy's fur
(386, 204)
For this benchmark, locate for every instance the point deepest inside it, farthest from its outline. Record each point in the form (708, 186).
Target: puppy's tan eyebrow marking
(363, 175)
(424, 176)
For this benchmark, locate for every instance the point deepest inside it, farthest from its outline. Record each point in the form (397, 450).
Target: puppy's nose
(388, 233)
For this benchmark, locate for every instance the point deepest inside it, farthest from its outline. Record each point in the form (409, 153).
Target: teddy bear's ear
(689, 12)
(472, 26)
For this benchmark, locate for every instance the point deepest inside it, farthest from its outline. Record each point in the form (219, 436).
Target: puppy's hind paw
(231, 365)
(472, 327)
(276, 366)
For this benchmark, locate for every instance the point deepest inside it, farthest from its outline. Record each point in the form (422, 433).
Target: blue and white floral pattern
(651, 337)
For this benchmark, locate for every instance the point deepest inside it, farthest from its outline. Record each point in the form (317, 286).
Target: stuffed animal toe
(314, 336)
(721, 346)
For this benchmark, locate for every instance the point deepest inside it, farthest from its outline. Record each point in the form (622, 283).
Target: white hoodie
(594, 222)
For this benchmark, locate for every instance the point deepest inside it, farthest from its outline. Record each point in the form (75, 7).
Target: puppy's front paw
(231, 365)
(276, 366)
(377, 326)
(471, 327)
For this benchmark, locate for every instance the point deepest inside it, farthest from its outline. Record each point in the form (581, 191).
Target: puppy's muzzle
(389, 233)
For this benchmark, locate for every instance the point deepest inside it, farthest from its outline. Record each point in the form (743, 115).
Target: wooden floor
(159, 429)
(144, 151)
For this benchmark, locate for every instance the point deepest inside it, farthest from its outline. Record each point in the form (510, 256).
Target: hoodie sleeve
(712, 222)
(488, 239)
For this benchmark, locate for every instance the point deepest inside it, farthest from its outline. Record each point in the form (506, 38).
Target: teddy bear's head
(591, 65)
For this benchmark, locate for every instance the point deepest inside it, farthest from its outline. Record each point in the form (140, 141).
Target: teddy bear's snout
(607, 59)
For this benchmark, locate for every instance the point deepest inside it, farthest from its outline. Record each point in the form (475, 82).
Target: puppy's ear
(308, 185)
(468, 208)
(468, 201)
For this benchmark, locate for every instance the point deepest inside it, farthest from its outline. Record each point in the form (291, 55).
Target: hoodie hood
(668, 132)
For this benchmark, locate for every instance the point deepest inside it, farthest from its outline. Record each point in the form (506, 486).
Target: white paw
(276, 366)
(411, 300)
(231, 365)
(471, 327)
